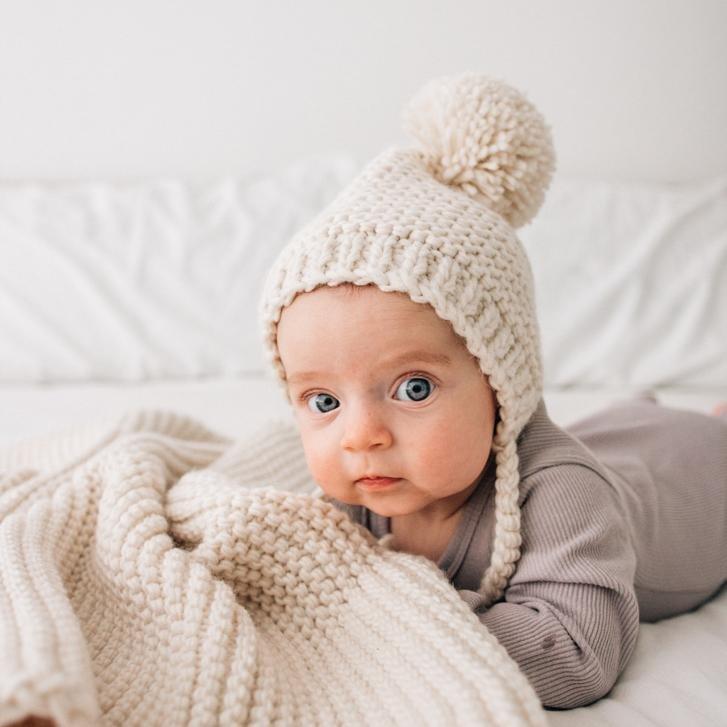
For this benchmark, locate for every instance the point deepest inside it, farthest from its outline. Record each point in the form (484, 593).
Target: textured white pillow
(160, 279)
(147, 280)
(631, 283)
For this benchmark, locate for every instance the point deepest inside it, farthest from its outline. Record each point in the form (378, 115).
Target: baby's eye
(417, 388)
(322, 403)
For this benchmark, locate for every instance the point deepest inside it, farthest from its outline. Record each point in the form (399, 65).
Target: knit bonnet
(437, 222)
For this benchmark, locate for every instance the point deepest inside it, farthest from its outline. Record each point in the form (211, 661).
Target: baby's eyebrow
(408, 356)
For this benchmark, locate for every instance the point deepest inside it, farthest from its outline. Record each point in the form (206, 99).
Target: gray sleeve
(570, 616)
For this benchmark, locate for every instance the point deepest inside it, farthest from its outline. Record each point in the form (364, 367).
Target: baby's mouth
(378, 482)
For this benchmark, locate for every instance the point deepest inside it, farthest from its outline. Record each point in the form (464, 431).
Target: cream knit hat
(437, 223)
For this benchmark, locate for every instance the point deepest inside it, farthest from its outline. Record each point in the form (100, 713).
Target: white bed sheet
(678, 673)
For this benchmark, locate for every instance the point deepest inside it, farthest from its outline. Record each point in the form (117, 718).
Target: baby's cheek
(450, 455)
(323, 464)
(434, 455)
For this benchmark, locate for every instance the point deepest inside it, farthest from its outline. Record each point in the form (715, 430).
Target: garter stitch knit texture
(437, 223)
(146, 578)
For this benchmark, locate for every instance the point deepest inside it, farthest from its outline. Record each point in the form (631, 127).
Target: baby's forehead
(369, 320)
(354, 305)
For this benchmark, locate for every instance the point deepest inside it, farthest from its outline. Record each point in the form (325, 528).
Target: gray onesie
(623, 519)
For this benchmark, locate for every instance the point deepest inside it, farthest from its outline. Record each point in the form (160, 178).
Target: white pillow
(147, 280)
(631, 283)
(161, 279)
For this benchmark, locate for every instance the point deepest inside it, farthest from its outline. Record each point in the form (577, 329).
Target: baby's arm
(570, 616)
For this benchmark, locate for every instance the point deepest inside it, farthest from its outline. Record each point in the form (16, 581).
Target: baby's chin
(386, 502)
(389, 504)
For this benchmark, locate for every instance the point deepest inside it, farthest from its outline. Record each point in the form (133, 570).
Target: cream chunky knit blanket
(153, 572)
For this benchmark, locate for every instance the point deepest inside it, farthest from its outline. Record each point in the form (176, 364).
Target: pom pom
(486, 138)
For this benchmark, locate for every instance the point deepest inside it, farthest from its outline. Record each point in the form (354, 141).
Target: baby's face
(382, 385)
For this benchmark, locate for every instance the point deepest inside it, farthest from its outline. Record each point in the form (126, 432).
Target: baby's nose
(365, 428)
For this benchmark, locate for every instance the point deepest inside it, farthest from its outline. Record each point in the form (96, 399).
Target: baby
(414, 439)
(401, 322)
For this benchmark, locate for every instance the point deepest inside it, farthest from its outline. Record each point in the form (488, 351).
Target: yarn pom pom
(486, 138)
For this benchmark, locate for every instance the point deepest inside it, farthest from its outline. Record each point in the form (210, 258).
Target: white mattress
(678, 673)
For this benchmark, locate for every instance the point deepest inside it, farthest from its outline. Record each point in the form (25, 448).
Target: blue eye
(416, 387)
(322, 403)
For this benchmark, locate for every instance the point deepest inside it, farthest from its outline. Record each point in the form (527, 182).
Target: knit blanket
(155, 572)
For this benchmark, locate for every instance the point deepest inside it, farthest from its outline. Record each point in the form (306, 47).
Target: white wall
(634, 89)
